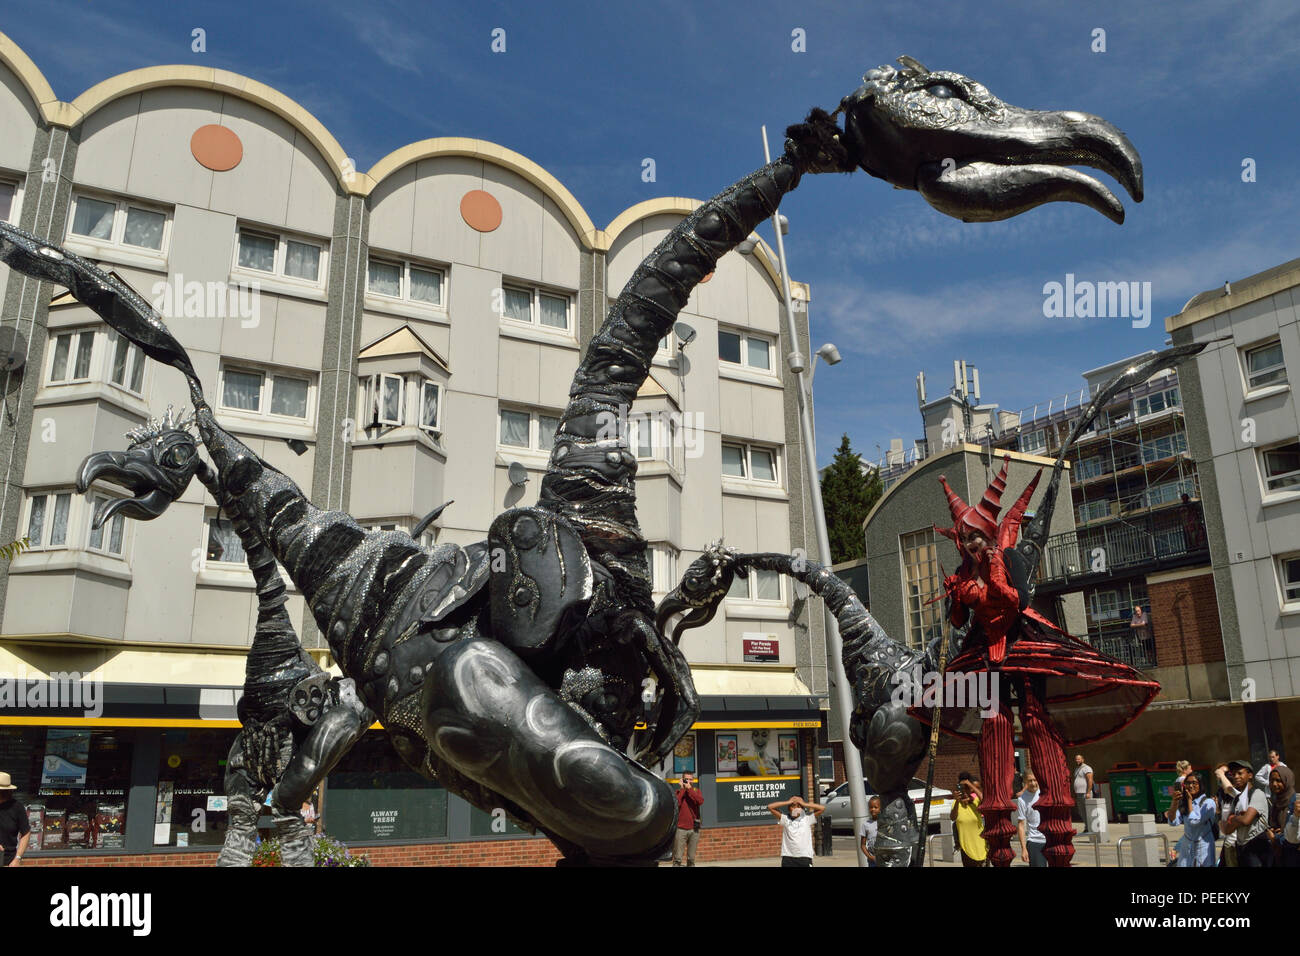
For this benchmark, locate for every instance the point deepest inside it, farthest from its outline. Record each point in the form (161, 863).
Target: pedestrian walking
(15, 831)
(1083, 784)
(1249, 818)
(1224, 801)
(1194, 811)
(689, 801)
(796, 829)
(1291, 835)
(1032, 840)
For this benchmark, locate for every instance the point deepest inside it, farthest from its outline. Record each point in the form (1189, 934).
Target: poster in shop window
(758, 756)
(67, 754)
(788, 748)
(684, 755)
(727, 751)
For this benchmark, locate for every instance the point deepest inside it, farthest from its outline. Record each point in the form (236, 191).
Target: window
(70, 357)
(405, 281)
(1289, 569)
(1281, 467)
(1033, 442)
(106, 539)
(1166, 446)
(299, 259)
(663, 567)
(8, 201)
(764, 586)
(394, 400)
(922, 580)
(749, 462)
(653, 435)
(1093, 510)
(47, 520)
(428, 538)
(55, 519)
(223, 545)
(532, 430)
(1264, 365)
(536, 307)
(1170, 491)
(745, 348)
(127, 369)
(266, 394)
(1156, 402)
(1090, 468)
(1104, 605)
(118, 222)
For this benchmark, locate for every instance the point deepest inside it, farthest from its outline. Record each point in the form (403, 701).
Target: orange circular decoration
(216, 147)
(706, 278)
(480, 210)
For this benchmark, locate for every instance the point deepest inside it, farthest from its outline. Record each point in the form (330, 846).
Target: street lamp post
(839, 680)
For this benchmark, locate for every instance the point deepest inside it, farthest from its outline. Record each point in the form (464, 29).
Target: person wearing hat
(1249, 818)
(15, 831)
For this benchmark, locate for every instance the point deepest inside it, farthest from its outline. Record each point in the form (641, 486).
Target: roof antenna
(1227, 288)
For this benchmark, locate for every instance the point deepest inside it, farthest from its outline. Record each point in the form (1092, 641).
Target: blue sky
(589, 90)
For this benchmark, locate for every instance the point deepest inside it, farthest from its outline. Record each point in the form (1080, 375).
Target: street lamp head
(783, 223)
(830, 354)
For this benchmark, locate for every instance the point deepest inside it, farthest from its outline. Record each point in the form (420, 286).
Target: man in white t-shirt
(1261, 777)
(1032, 839)
(796, 830)
(1082, 788)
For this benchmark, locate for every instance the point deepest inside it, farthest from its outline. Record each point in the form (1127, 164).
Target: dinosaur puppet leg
(997, 767)
(241, 813)
(490, 717)
(1047, 755)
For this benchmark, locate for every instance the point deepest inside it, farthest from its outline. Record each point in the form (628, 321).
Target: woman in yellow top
(969, 823)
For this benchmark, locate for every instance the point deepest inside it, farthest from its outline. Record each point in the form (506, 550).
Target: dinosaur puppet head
(156, 468)
(976, 158)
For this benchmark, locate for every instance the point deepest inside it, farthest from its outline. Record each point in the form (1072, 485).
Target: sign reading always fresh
(761, 649)
(745, 801)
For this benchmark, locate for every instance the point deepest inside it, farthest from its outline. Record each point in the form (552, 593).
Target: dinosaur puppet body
(512, 669)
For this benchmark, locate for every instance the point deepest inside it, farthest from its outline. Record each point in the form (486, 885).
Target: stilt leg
(997, 766)
(1047, 754)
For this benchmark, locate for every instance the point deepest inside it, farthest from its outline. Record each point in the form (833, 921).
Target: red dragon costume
(1067, 692)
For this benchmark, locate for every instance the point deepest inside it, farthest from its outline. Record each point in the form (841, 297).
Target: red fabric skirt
(1088, 695)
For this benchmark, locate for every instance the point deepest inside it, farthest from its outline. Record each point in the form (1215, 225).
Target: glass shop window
(373, 796)
(73, 782)
(190, 803)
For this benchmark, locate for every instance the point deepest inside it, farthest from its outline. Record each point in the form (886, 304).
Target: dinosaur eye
(944, 91)
(178, 457)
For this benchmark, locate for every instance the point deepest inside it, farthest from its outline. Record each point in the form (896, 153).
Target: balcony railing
(1128, 645)
(1149, 539)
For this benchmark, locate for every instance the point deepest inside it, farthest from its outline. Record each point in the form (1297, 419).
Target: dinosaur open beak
(1025, 161)
(136, 473)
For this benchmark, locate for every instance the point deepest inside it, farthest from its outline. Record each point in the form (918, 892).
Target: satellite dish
(685, 334)
(13, 349)
(517, 473)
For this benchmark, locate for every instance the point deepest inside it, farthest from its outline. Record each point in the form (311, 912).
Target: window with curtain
(289, 397)
(426, 286)
(429, 405)
(242, 390)
(256, 251)
(107, 538)
(47, 521)
(144, 228)
(919, 551)
(384, 278)
(546, 426)
(514, 428)
(535, 306)
(117, 222)
(390, 400)
(93, 218)
(517, 304)
(128, 365)
(70, 361)
(302, 260)
(554, 311)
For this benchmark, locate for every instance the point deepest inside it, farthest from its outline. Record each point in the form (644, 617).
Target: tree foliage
(848, 494)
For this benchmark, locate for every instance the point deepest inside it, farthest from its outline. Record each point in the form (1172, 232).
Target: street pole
(842, 690)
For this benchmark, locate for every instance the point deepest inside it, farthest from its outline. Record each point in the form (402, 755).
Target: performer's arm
(1000, 588)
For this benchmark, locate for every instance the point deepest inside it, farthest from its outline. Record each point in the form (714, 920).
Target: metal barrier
(1119, 845)
(1095, 840)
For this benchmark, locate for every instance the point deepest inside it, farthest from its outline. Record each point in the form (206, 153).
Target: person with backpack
(1196, 812)
(1248, 821)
